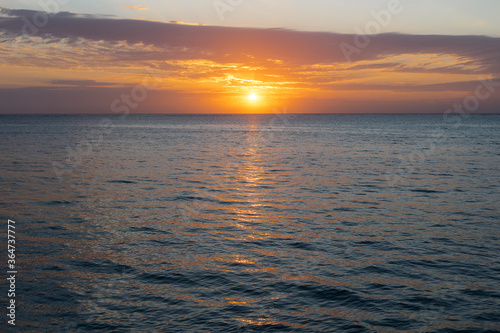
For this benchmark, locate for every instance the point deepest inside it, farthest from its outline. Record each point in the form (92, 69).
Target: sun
(252, 97)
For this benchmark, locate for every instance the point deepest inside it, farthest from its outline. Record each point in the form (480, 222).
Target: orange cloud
(135, 7)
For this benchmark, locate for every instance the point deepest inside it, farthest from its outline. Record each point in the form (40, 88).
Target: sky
(249, 56)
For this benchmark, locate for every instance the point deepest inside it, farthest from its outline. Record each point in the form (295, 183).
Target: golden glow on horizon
(251, 86)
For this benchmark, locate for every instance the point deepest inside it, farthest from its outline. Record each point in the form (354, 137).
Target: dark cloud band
(250, 45)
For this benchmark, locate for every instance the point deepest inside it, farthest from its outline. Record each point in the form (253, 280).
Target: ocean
(252, 223)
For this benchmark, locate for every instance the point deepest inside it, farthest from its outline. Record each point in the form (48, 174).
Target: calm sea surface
(275, 223)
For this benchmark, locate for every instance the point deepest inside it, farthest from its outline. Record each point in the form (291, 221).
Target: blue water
(271, 223)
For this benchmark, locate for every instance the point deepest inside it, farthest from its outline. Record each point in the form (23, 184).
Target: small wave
(303, 246)
(121, 181)
(171, 278)
(54, 269)
(147, 229)
(106, 267)
(57, 203)
(423, 190)
(57, 227)
(344, 209)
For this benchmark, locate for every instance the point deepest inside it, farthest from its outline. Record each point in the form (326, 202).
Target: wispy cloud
(135, 7)
(80, 83)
